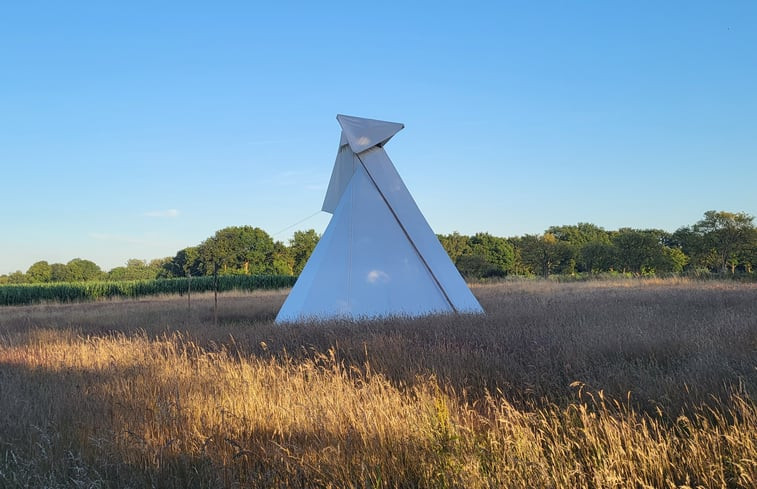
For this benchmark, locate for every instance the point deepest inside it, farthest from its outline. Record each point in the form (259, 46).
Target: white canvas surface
(378, 255)
(402, 203)
(344, 167)
(363, 266)
(364, 133)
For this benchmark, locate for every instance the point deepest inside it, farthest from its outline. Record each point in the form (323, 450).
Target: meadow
(627, 383)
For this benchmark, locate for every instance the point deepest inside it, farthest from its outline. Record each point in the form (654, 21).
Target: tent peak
(363, 134)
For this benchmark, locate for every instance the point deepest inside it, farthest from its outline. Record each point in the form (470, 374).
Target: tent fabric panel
(364, 266)
(292, 309)
(387, 275)
(383, 172)
(364, 133)
(344, 167)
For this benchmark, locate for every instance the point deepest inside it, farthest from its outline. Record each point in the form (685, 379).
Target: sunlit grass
(628, 384)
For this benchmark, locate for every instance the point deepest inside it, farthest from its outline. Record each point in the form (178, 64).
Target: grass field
(595, 384)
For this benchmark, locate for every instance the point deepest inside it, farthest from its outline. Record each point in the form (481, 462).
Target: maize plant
(20, 294)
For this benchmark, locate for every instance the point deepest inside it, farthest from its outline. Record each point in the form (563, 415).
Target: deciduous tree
(186, 263)
(637, 250)
(727, 235)
(495, 250)
(80, 270)
(40, 272)
(58, 272)
(237, 249)
(597, 256)
(301, 246)
(576, 237)
(17, 277)
(544, 254)
(455, 245)
(281, 261)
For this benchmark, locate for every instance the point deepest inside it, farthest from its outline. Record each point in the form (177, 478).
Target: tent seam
(407, 235)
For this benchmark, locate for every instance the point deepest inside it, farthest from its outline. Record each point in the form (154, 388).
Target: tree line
(235, 250)
(720, 243)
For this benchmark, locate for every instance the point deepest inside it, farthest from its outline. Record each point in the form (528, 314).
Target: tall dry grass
(622, 384)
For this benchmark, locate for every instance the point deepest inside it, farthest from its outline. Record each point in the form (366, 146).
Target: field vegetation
(721, 244)
(629, 383)
(20, 294)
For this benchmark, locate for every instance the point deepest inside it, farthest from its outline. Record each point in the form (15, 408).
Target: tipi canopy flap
(362, 133)
(344, 168)
(378, 255)
(358, 134)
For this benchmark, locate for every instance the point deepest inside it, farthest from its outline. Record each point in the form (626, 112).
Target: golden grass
(534, 394)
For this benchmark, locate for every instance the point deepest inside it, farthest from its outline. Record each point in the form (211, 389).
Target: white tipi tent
(378, 255)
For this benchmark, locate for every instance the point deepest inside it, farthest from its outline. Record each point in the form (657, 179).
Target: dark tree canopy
(301, 246)
(545, 254)
(40, 272)
(79, 270)
(719, 243)
(238, 249)
(728, 237)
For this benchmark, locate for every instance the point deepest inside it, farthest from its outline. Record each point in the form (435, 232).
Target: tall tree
(596, 256)
(187, 262)
(580, 234)
(455, 244)
(136, 269)
(473, 266)
(281, 261)
(497, 251)
(727, 235)
(159, 266)
(17, 277)
(40, 272)
(57, 272)
(675, 259)
(486, 256)
(301, 246)
(238, 249)
(637, 250)
(576, 237)
(748, 257)
(545, 254)
(80, 270)
(519, 266)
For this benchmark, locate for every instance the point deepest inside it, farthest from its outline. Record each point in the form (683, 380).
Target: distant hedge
(13, 295)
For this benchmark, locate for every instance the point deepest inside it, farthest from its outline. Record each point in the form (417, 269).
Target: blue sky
(133, 130)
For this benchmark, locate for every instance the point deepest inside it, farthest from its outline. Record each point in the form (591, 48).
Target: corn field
(22, 294)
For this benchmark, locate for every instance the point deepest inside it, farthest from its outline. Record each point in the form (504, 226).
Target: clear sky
(135, 129)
